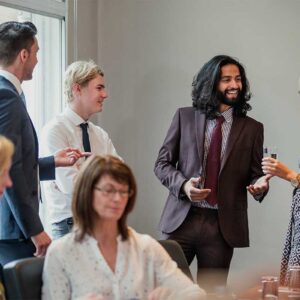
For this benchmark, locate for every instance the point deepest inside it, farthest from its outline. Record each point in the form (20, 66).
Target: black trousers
(15, 249)
(199, 235)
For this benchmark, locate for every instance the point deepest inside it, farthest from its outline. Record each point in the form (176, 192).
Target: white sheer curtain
(43, 93)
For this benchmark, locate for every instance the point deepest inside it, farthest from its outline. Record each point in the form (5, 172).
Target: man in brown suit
(209, 159)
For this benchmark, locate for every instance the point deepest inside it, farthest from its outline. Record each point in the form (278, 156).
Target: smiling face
(110, 198)
(230, 85)
(90, 97)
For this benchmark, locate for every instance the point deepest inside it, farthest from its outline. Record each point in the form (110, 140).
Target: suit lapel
(35, 139)
(236, 128)
(8, 84)
(36, 144)
(200, 133)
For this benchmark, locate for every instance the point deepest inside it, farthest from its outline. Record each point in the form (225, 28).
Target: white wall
(150, 51)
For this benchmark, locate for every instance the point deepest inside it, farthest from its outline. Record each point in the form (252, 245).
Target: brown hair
(82, 204)
(15, 36)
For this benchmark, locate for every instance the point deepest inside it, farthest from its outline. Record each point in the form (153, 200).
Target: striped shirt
(226, 127)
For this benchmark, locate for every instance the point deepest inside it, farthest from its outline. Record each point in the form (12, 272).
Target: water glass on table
(294, 279)
(269, 287)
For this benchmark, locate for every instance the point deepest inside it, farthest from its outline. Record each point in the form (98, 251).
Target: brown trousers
(199, 235)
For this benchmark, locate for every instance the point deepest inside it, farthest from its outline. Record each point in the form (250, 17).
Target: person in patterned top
(291, 250)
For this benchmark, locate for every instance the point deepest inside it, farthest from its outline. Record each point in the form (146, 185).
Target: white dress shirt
(74, 269)
(64, 131)
(12, 79)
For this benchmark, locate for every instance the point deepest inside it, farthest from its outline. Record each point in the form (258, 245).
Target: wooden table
(255, 293)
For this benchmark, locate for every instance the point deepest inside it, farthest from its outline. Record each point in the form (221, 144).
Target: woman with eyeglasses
(103, 258)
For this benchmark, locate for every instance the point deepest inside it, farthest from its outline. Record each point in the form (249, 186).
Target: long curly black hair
(205, 84)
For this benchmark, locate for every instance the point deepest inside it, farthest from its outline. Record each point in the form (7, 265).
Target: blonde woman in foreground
(6, 153)
(103, 258)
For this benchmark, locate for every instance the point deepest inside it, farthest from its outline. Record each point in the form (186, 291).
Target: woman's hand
(92, 297)
(276, 168)
(160, 293)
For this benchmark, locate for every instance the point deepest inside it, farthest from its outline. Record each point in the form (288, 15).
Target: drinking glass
(274, 152)
(294, 296)
(269, 287)
(270, 151)
(294, 279)
(266, 152)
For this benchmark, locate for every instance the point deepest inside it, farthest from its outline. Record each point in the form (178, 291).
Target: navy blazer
(19, 206)
(181, 157)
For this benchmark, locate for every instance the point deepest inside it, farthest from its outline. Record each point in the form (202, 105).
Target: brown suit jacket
(181, 157)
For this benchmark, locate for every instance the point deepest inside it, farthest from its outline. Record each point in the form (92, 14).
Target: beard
(233, 102)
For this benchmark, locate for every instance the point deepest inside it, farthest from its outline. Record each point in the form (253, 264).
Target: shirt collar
(12, 79)
(228, 115)
(91, 239)
(74, 117)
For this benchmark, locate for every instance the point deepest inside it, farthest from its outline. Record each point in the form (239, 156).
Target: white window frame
(64, 9)
(50, 8)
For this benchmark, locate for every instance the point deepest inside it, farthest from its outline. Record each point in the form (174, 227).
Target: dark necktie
(85, 137)
(213, 162)
(23, 98)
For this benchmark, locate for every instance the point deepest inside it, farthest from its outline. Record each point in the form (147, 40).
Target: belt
(203, 210)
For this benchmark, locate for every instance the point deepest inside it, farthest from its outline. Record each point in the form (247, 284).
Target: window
(44, 91)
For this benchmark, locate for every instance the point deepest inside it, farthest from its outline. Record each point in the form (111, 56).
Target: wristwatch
(295, 182)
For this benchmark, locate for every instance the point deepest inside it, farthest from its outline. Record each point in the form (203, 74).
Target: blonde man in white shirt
(85, 92)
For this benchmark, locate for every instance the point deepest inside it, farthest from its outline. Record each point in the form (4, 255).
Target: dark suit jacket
(181, 157)
(19, 205)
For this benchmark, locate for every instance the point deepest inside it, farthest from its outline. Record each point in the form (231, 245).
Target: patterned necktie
(85, 137)
(213, 162)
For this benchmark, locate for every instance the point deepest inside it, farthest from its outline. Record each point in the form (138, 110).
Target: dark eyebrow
(228, 77)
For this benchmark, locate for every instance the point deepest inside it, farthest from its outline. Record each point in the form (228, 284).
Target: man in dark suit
(21, 230)
(209, 159)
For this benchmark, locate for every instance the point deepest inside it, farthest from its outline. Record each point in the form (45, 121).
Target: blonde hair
(80, 72)
(6, 152)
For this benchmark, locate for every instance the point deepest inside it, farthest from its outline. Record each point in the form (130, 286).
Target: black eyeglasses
(110, 192)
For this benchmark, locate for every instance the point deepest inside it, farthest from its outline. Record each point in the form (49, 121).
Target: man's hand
(41, 242)
(68, 157)
(260, 186)
(193, 192)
